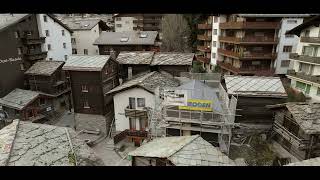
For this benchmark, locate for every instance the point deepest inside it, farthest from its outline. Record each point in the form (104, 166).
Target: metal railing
(305, 58)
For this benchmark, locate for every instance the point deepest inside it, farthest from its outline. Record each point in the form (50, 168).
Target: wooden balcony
(204, 48)
(203, 59)
(261, 71)
(304, 58)
(301, 75)
(32, 56)
(205, 26)
(250, 25)
(204, 37)
(249, 40)
(247, 55)
(135, 113)
(30, 41)
(310, 39)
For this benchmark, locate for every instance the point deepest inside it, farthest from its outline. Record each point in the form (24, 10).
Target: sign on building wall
(175, 97)
(197, 105)
(10, 60)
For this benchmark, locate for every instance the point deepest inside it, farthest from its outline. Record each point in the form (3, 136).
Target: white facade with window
(121, 100)
(310, 83)
(122, 24)
(56, 35)
(215, 38)
(281, 63)
(83, 41)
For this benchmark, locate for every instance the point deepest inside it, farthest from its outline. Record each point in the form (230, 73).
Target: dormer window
(143, 35)
(124, 39)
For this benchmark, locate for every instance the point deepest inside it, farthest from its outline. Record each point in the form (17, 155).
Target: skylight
(124, 39)
(143, 35)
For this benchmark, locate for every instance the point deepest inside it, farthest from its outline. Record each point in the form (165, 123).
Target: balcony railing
(247, 55)
(204, 26)
(135, 113)
(258, 71)
(302, 75)
(310, 39)
(203, 59)
(132, 133)
(204, 37)
(28, 41)
(250, 25)
(35, 55)
(204, 48)
(249, 40)
(304, 58)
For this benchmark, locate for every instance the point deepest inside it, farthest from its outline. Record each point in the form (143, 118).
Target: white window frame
(84, 88)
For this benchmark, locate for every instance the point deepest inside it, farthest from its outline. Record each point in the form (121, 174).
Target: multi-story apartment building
(85, 32)
(248, 44)
(204, 42)
(305, 71)
(133, 22)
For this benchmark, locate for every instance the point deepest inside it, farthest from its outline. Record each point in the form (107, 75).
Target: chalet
(254, 93)
(179, 151)
(48, 78)
(91, 77)
(33, 144)
(132, 63)
(134, 99)
(26, 105)
(109, 42)
(296, 128)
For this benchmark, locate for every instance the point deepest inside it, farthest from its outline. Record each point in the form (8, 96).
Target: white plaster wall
(126, 24)
(85, 40)
(121, 101)
(55, 38)
(215, 38)
(286, 41)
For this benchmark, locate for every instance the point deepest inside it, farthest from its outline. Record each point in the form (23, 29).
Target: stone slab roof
(32, 144)
(135, 57)
(172, 58)
(80, 24)
(18, 98)
(46, 68)
(149, 82)
(86, 63)
(308, 162)
(134, 38)
(255, 86)
(9, 19)
(184, 151)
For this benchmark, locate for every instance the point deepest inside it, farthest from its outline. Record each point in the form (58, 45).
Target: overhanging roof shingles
(172, 58)
(255, 86)
(148, 82)
(113, 38)
(18, 98)
(86, 62)
(135, 57)
(46, 68)
(184, 151)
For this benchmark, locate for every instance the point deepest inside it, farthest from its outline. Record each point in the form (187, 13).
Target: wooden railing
(204, 37)
(135, 113)
(203, 59)
(132, 133)
(28, 40)
(249, 40)
(302, 75)
(204, 26)
(228, 53)
(35, 55)
(250, 25)
(262, 71)
(305, 58)
(247, 55)
(310, 39)
(204, 48)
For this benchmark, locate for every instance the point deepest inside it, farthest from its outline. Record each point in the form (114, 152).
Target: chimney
(129, 73)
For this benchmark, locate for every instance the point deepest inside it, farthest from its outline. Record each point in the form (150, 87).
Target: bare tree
(175, 33)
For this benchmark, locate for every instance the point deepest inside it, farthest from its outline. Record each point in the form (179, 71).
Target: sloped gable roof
(86, 62)
(46, 68)
(19, 98)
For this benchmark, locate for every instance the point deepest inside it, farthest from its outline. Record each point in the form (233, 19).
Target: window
(132, 123)
(289, 35)
(16, 34)
(45, 18)
(307, 50)
(118, 19)
(303, 87)
(62, 32)
(86, 103)
(32, 47)
(256, 63)
(215, 32)
(306, 33)
(19, 50)
(22, 67)
(141, 102)
(42, 101)
(47, 33)
(97, 51)
(143, 124)
(257, 48)
(73, 40)
(49, 47)
(291, 21)
(215, 19)
(127, 22)
(65, 57)
(214, 43)
(84, 88)
(29, 33)
(74, 51)
(318, 91)
(118, 25)
(85, 51)
(213, 55)
(287, 48)
(132, 103)
(50, 59)
(64, 45)
(285, 63)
